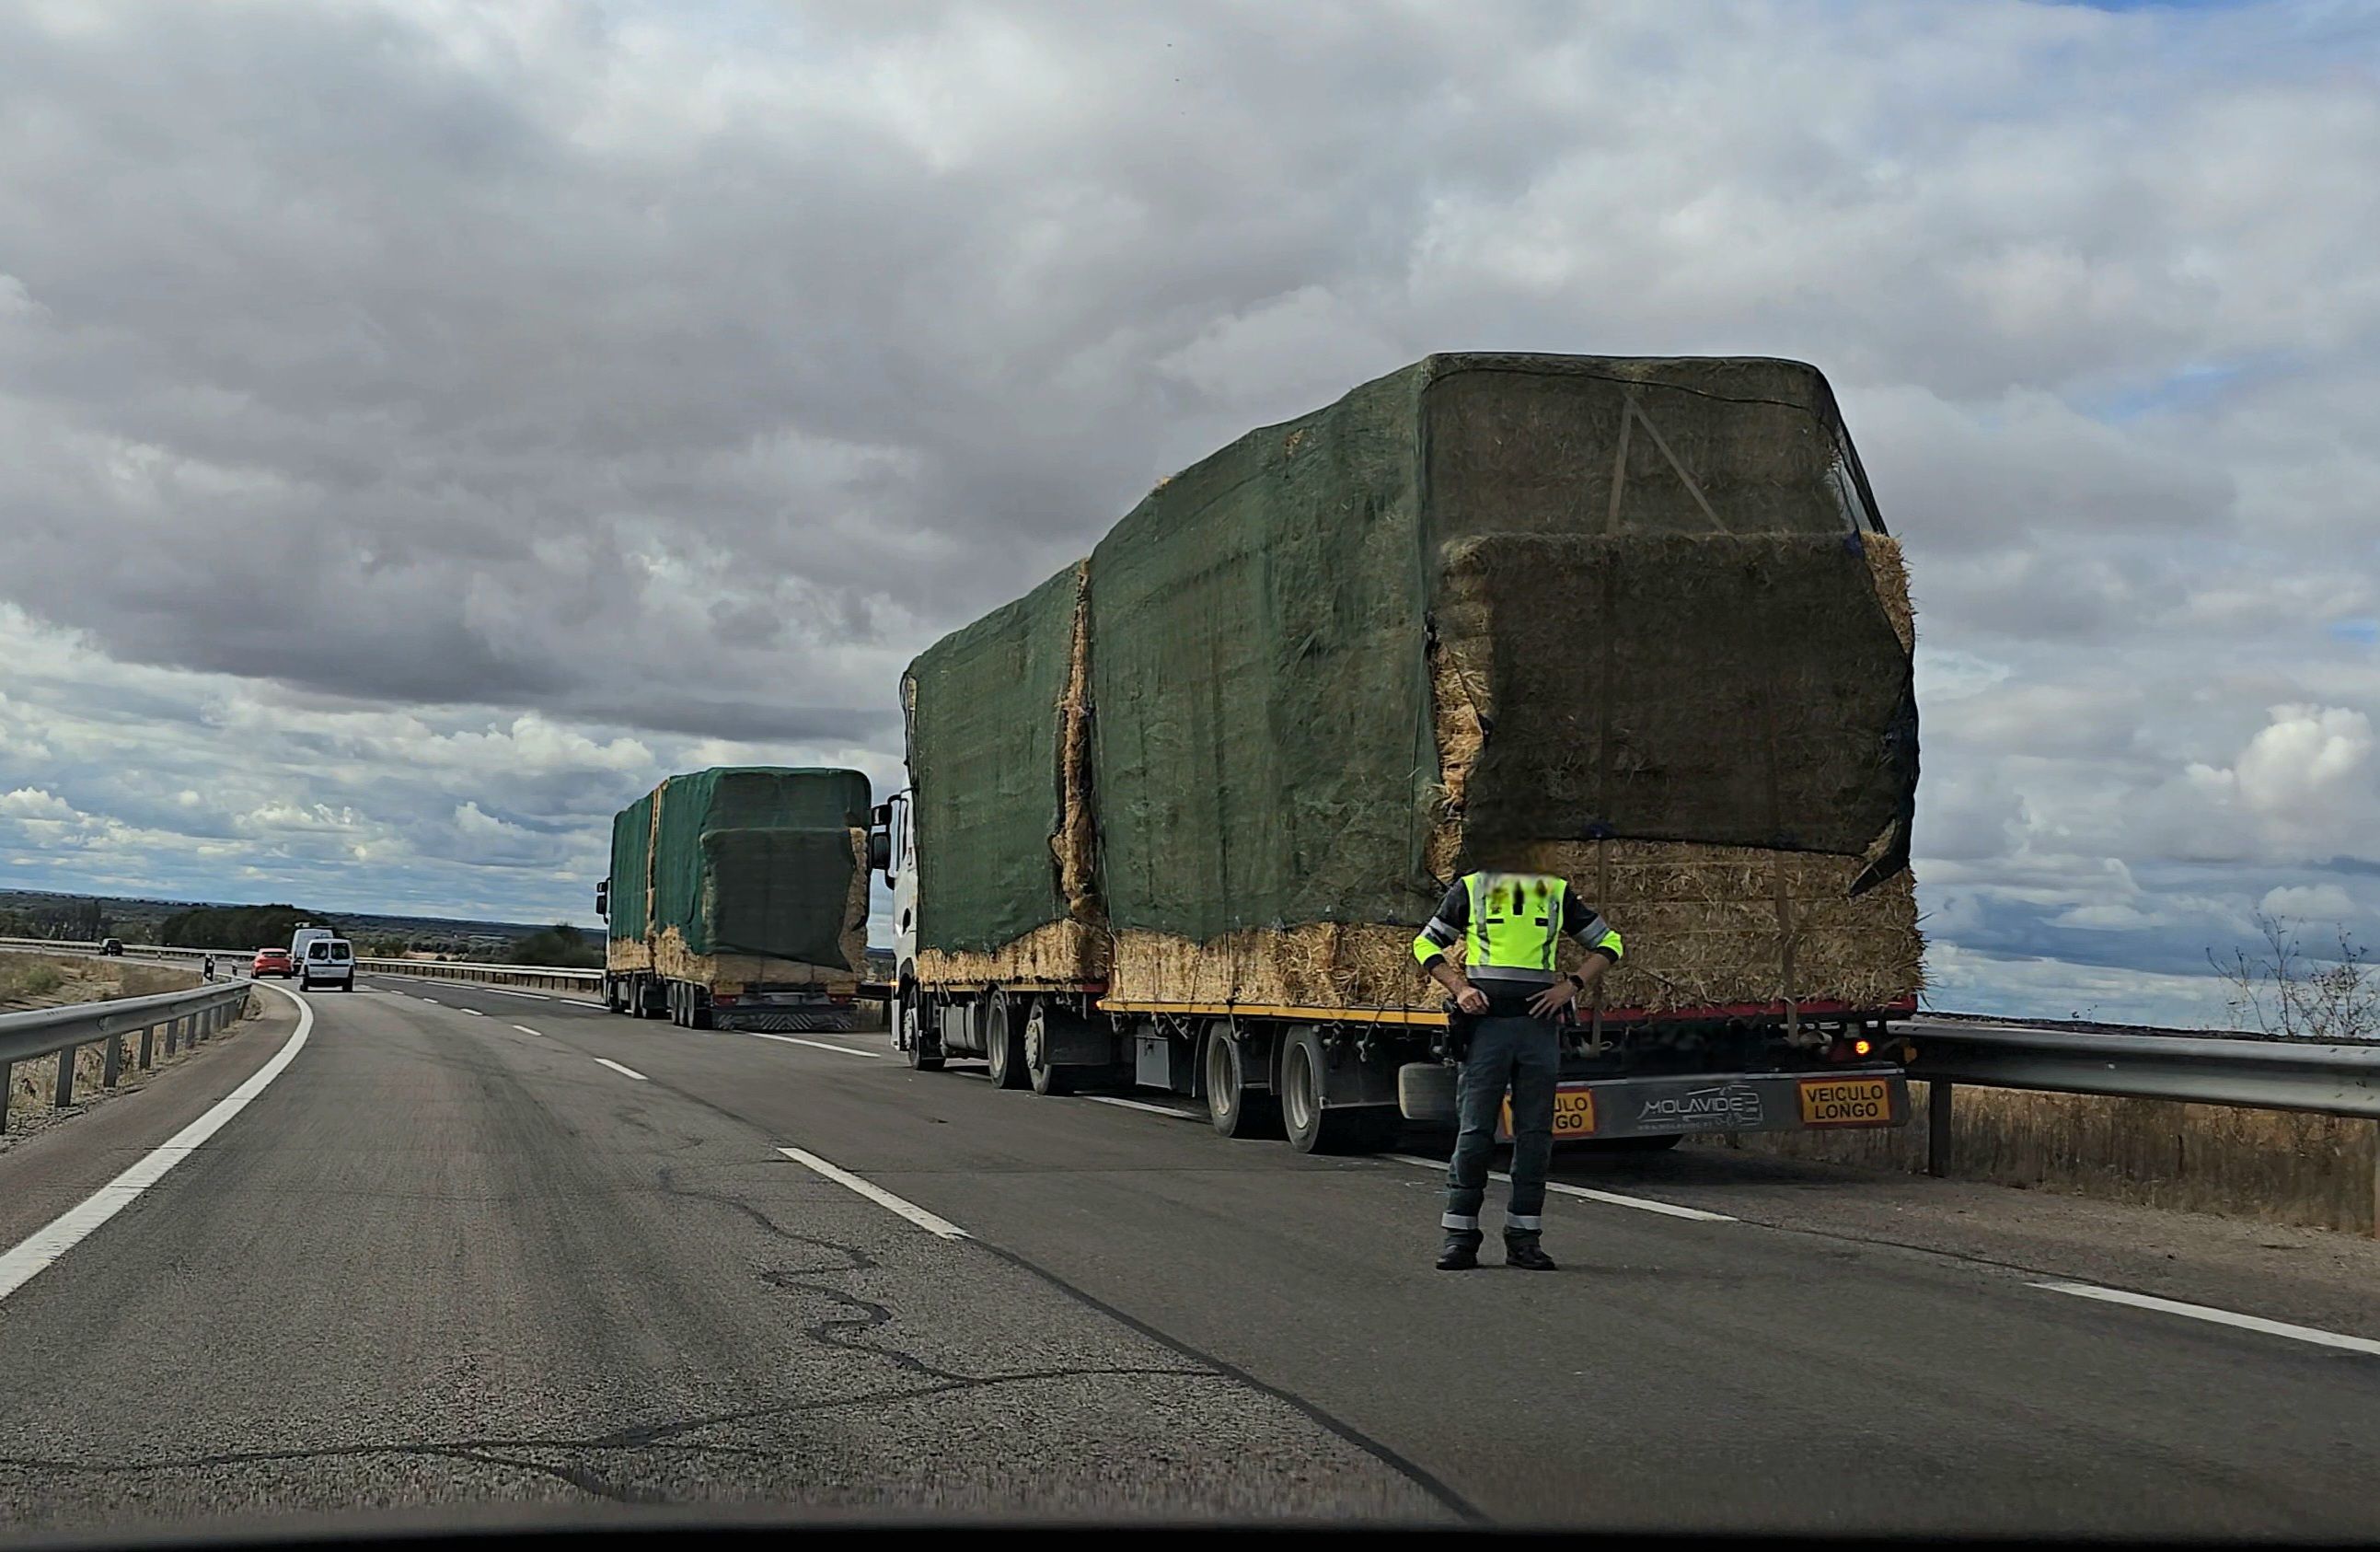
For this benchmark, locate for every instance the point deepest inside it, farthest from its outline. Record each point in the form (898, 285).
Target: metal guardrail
(2264, 1074)
(2245, 1071)
(586, 983)
(191, 1017)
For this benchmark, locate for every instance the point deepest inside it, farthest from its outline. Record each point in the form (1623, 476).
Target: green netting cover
(986, 735)
(755, 860)
(1263, 746)
(632, 842)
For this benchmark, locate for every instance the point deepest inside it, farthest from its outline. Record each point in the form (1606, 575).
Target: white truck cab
(329, 961)
(892, 850)
(306, 932)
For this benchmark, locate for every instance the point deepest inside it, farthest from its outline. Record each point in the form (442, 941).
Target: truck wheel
(1236, 1109)
(1003, 1041)
(1045, 1079)
(1312, 1128)
(698, 1013)
(925, 1055)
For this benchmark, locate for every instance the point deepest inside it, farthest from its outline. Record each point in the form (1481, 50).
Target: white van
(304, 936)
(329, 961)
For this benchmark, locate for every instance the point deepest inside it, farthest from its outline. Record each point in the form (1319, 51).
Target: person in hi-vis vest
(1509, 994)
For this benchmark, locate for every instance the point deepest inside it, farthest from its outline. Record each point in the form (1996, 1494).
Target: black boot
(1459, 1253)
(1524, 1252)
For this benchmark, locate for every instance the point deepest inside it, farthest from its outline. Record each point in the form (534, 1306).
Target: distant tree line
(560, 946)
(71, 921)
(237, 927)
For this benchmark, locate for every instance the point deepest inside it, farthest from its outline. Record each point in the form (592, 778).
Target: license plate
(1573, 1115)
(1846, 1101)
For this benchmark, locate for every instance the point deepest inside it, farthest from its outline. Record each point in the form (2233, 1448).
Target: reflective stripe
(1489, 979)
(1456, 1220)
(1525, 1224)
(1439, 932)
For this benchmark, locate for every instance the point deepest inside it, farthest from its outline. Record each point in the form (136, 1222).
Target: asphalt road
(475, 1249)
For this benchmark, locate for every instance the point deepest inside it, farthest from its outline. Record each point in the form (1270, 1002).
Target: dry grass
(1075, 843)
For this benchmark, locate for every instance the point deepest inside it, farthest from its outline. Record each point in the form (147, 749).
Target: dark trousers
(1522, 1055)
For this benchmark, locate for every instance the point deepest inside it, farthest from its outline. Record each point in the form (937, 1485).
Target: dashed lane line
(932, 1223)
(2219, 1318)
(623, 1072)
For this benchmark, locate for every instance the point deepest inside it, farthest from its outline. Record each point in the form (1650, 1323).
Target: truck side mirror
(603, 899)
(879, 847)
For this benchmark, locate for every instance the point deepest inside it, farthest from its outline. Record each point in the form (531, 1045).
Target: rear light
(723, 999)
(841, 999)
(1861, 1047)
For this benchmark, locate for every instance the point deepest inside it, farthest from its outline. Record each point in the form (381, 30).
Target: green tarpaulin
(745, 859)
(985, 748)
(1687, 643)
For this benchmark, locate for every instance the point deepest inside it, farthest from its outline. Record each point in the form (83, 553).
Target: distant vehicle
(306, 932)
(111, 945)
(329, 961)
(273, 962)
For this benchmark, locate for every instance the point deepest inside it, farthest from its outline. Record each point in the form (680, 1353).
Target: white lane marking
(1613, 1197)
(878, 1194)
(815, 1044)
(2219, 1318)
(434, 1002)
(606, 1061)
(525, 1030)
(502, 992)
(1122, 1104)
(472, 1011)
(21, 1263)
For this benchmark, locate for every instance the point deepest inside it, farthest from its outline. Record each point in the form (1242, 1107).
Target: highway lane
(452, 1257)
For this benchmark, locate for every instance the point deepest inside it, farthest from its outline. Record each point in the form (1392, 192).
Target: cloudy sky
(425, 423)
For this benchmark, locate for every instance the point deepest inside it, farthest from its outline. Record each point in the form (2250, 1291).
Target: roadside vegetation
(561, 947)
(2281, 988)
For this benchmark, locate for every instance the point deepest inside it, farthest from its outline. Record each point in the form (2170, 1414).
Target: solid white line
(503, 991)
(2219, 1318)
(606, 1061)
(878, 1194)
(21, 1263)
(1144, 1104)
(815, 1044)
(1641, 1204)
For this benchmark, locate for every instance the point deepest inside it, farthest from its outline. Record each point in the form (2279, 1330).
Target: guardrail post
(173, 1029)
(1937, 1127)
(65, 1094)
(8, 1088)
(111, 1070)
(148, 1046)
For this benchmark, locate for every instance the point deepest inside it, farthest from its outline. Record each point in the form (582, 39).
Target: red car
(273, 962)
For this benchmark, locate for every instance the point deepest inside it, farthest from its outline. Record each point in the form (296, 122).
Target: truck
(738, 898)
(1173, 819)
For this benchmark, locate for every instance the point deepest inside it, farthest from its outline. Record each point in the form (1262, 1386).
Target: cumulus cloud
(541, 399)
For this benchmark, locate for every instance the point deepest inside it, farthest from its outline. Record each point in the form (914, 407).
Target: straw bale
(673, 959)
(1321, 964)
(1074, 844)
(1891, 574)
(1060, 953)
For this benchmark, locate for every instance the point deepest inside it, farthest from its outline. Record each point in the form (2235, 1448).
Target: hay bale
(1075, 843)
(1061, 953)
(1320, 965)
(1891, 574)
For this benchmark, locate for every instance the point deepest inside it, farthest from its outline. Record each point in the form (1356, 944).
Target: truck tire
(1236, 1109)
(1003, 1041)
(925, 1055)
(1313, 1127)
(698, 1013)
(1045, 1079)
